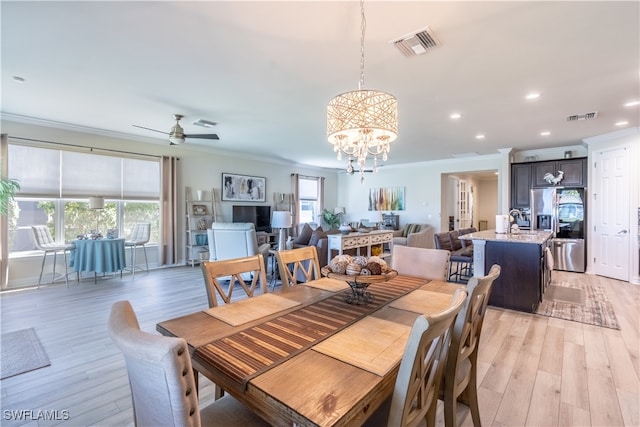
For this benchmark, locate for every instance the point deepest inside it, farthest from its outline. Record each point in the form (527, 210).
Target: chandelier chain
(363, 28)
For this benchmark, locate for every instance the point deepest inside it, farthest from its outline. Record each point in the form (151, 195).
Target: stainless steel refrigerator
(562, 210)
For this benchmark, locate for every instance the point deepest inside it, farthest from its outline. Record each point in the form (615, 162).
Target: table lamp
(97, 204)
(282, 221)
(375, 217)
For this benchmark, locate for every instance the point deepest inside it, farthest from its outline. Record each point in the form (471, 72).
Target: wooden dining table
(304, 356)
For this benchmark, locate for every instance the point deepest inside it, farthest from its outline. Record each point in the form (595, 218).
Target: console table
(340, 242)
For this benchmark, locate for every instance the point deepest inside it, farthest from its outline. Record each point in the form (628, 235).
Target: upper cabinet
(525, 176)
(574, 173)
(520, 185)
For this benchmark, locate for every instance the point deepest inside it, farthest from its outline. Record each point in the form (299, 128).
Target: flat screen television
(260, 216)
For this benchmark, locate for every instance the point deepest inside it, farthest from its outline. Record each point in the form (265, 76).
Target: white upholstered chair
(229, 240)
(140, 236)
(162, 385)
(44, 242)
(420, 262)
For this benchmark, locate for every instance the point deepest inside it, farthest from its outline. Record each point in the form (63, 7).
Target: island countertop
(535, 237)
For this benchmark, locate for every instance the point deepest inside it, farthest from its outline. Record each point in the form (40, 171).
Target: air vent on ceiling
(585, 116)
(417, 43)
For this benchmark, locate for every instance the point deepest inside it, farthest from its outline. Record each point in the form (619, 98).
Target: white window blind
(37, 170)
(308, 189)
(44, 172)
(86, 175)
(140, 179)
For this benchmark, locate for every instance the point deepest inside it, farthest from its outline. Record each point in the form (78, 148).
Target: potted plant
(331, 219)
(8, 188)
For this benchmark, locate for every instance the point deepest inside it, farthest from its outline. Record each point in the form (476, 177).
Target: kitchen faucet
(518, 213)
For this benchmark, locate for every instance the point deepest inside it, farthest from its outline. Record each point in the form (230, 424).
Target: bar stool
(44, 242)
(140, 236)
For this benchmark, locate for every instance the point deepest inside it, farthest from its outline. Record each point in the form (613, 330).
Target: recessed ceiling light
(455, 116)
(532, 95)
(18, 79)
(632, 103)
(479, 136)
(545, 133)
(622, 123)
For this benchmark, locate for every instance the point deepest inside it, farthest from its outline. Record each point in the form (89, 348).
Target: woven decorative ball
(338, 267)
(342, 258)
(360, 260)
(365, 272)
(374, 268)
(353, 269)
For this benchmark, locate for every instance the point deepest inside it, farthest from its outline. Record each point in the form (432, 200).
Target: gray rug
(21, 351)
(579, 302)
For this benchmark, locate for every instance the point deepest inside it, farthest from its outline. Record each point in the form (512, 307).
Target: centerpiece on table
(359, 272)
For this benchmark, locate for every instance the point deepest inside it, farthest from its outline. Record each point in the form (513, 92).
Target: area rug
(21, 351)
(579, 302)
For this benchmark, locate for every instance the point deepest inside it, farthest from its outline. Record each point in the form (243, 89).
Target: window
(309, 206)
(56, 194)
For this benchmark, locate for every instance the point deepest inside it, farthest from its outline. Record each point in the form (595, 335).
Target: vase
(345, 229)
(199, 193)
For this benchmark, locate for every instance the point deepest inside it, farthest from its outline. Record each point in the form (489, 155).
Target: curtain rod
(84, 146)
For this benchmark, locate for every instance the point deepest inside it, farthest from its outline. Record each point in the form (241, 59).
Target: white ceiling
(266, 70)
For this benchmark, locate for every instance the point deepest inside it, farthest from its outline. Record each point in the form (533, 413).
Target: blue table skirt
(100, 256)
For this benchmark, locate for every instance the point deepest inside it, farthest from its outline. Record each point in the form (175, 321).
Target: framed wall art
(243, 188)
(386, 199)
(199, 209)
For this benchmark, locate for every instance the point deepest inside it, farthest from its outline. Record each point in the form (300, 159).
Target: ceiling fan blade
(203, 136)
(154, 130)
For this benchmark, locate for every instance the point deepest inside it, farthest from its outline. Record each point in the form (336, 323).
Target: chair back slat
(299, 264)
(415, 395)
(248, 272)
(461, 369)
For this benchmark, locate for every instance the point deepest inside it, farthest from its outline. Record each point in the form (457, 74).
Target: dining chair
(238, 270)
(299, 264)
(160, 379)
(44, 242)
(140, 235)
(459, 380)
(415, 394)
(430, 264)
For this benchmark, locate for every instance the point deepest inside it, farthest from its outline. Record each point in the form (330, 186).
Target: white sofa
(229, 240)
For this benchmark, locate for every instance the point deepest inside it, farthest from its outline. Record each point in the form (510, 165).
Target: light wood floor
(534, 370)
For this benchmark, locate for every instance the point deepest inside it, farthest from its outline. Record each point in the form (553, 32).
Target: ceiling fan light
(176, 140)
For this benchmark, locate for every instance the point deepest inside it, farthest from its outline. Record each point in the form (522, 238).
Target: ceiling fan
(177, 135)
(351, 169)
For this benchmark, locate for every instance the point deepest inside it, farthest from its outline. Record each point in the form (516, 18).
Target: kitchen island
(525, 270)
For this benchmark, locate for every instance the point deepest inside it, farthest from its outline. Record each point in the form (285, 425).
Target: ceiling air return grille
(585, 116)
(417, 43)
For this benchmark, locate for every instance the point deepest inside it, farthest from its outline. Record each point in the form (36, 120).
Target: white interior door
(464, 210)
(611, 235)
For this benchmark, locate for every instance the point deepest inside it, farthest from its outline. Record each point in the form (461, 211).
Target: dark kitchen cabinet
(520, 185)
(575, 173)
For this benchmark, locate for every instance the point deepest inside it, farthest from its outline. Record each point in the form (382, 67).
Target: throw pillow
(410, 228)
(316, 236)
(304, 236)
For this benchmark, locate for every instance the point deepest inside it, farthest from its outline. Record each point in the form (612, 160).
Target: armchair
(414, 235)
(234, 240)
